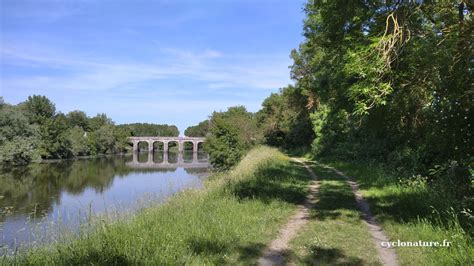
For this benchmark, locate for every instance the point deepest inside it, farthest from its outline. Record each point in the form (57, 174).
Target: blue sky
(162, 61)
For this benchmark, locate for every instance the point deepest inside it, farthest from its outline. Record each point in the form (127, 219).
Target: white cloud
(95, 74)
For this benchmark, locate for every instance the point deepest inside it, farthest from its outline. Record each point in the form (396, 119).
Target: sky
(153, 61)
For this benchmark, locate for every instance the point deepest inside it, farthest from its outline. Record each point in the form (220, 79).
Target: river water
(39, 201)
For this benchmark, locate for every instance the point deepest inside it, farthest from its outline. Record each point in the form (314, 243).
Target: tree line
(382, 82)
(33, 130)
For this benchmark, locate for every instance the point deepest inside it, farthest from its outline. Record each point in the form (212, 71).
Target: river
(41, 201)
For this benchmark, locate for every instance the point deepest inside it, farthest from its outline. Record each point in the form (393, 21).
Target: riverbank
(230, 221)
(240, 212)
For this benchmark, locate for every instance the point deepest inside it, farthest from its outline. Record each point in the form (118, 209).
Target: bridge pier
(165, 157)
(135, 157)
(180, 146)
(150, 156)
(135, 146)
(150, 145)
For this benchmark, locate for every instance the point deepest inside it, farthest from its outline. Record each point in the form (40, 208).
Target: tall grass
(410, 210)
(231, 220)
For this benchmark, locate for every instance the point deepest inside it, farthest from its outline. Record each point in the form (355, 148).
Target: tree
(77, 137)
(54, 143)
(122, 144)
(99, 120)
(199, 130)
(145, 129)
(19, 150)
(284, 118)
(232, 134)
(18, 139)
(39, 109)
(225, 146)
(78, 119)
(102, 141)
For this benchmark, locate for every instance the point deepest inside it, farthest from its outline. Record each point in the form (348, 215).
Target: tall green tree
(78, 119)
(232, 134)
(39, 108)
(54, 142)
(199, 130)
(19, 140)
(387, 80)
(78, 140)
(285, 118)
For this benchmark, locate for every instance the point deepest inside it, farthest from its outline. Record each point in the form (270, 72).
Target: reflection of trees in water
(35, 188)
(173, 157)
(197, 171)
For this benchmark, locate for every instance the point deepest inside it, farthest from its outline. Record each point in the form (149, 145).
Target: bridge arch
(166, 141)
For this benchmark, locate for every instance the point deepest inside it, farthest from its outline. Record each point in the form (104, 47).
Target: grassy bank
(335, 234)
(230, 221)
(410, 211)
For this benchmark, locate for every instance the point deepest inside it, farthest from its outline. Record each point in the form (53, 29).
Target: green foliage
(232, 134)
(145, 129)
(199, 130)
(14, 122)
(19, 150)
(54, 144)
(39, 109)
(284, 118)
(390, 82)
(99, 120)
(319, 121)
(33, 130)
(370, 87)
(121, 139)
(78, 119)
(225, 146)
(18, 138)
(102, 140)
(77, 137)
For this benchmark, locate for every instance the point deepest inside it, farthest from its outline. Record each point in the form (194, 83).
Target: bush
(232, 134)
(20, 150)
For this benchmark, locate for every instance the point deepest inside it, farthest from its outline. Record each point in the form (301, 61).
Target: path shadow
(334, 195)
(329, 256)
(403, 206)
(399, 205)
(96, 257)
(248, 252)
(276, 182)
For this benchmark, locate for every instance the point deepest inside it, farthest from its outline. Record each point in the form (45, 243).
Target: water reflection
(44, 192)
(163, 160)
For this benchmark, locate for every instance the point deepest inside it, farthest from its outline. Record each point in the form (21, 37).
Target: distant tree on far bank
(146, 129)
(33, 130)
(199, 130)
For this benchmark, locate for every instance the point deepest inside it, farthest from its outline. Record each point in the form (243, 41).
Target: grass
(335, 234)
(228, 222)
(412, 212)
(239, 212)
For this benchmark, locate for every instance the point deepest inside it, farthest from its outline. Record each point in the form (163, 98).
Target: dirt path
(275, 252)
(387, 256)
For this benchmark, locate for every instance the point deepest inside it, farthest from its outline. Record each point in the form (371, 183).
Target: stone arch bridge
(166, 140)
